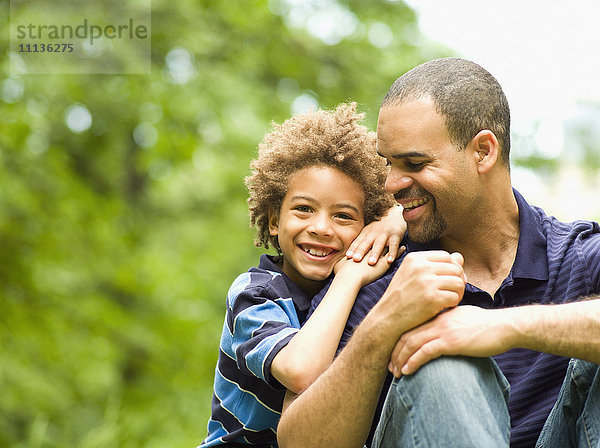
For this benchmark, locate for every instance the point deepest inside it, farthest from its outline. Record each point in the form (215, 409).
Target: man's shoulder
(583, 232)
(555, 230)
(575, 244)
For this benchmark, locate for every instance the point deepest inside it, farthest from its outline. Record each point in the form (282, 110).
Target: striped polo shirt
(556, 262)
(264, 311)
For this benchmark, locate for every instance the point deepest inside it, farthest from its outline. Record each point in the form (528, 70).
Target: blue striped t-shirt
(264, 311)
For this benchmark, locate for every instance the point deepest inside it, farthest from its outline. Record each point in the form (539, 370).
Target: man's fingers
(407, 346)
(457, 258)
(376, 244)
(353, 246)
(360, 246)
(433, 255)
(429, 351)
(377, 250)
(394, 248)
(414, 349)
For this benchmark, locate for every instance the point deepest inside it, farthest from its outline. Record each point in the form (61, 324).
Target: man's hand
(425, 284)
(388, 232)
(464, 330)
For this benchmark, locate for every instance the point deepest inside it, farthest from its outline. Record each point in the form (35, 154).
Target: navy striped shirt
(264, 311)
(556, 262)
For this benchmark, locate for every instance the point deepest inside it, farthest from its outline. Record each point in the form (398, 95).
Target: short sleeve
(259, 327)
(591, 254)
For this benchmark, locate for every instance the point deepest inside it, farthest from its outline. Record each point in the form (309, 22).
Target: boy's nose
(320, 225)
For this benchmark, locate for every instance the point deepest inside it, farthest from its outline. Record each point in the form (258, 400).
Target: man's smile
(414, 203)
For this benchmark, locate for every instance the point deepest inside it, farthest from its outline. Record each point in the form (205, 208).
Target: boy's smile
(320, 216)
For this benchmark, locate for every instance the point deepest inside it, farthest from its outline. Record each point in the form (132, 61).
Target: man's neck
(490, 246)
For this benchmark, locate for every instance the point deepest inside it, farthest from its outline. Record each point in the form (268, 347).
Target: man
(527, 284)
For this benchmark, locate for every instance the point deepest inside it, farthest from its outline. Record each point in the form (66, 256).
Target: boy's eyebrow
(350, 206)
(339, 205)
(302, 198)
(405, 155)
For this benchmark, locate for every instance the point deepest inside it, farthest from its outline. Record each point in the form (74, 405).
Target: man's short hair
(468, 97)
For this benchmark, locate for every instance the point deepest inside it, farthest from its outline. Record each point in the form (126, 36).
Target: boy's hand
(388, 232)
(363, 271)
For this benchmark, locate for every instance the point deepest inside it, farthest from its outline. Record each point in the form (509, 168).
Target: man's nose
(397, 181)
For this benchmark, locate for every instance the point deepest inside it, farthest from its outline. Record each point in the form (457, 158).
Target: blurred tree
(123, 218)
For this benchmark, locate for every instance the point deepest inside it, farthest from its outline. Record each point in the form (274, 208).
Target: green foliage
(120, 242)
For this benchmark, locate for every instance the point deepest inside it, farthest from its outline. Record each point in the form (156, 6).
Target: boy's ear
(273, 223)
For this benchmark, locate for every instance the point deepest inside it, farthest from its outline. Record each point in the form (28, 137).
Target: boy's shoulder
(267, 275)
(266, 282)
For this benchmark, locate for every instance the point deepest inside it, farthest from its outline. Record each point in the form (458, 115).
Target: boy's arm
(313, 347)
(387, 232)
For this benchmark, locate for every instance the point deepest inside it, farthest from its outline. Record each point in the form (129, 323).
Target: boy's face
(320, 216)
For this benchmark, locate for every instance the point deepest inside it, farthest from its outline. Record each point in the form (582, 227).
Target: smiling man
(517, 362)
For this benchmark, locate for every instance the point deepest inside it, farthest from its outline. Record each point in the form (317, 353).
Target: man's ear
(273, 223)
(486, 150)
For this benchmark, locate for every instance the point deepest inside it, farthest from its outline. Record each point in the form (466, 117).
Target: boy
(316, 183)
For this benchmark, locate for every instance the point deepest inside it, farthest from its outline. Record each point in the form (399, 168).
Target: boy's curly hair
(316, 138)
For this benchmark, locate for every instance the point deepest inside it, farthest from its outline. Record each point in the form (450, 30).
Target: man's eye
(414, 166)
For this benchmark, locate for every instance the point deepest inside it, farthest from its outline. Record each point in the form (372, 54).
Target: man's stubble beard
(431, 229)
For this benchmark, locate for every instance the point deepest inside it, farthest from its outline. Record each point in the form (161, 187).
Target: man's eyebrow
(405, 155)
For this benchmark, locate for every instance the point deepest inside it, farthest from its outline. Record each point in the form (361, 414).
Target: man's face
(428, 175)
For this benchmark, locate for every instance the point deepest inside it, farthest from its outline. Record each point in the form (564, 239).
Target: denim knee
(457, 376)
(450, 398)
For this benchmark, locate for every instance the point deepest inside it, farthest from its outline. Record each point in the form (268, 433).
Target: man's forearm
(338, 408)
(571, 330)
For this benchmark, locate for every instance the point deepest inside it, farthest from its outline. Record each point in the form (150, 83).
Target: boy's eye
(344, 216)
(303, 208)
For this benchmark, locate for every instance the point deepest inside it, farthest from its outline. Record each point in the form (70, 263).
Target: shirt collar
(531, 260)
(299, 297)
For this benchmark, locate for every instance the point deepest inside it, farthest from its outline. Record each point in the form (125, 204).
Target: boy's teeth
(315, 252)
(416, 203)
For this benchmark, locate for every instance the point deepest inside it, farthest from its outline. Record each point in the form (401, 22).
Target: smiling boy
(316, 183)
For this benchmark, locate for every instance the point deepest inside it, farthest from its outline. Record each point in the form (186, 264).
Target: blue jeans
(422, 410)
